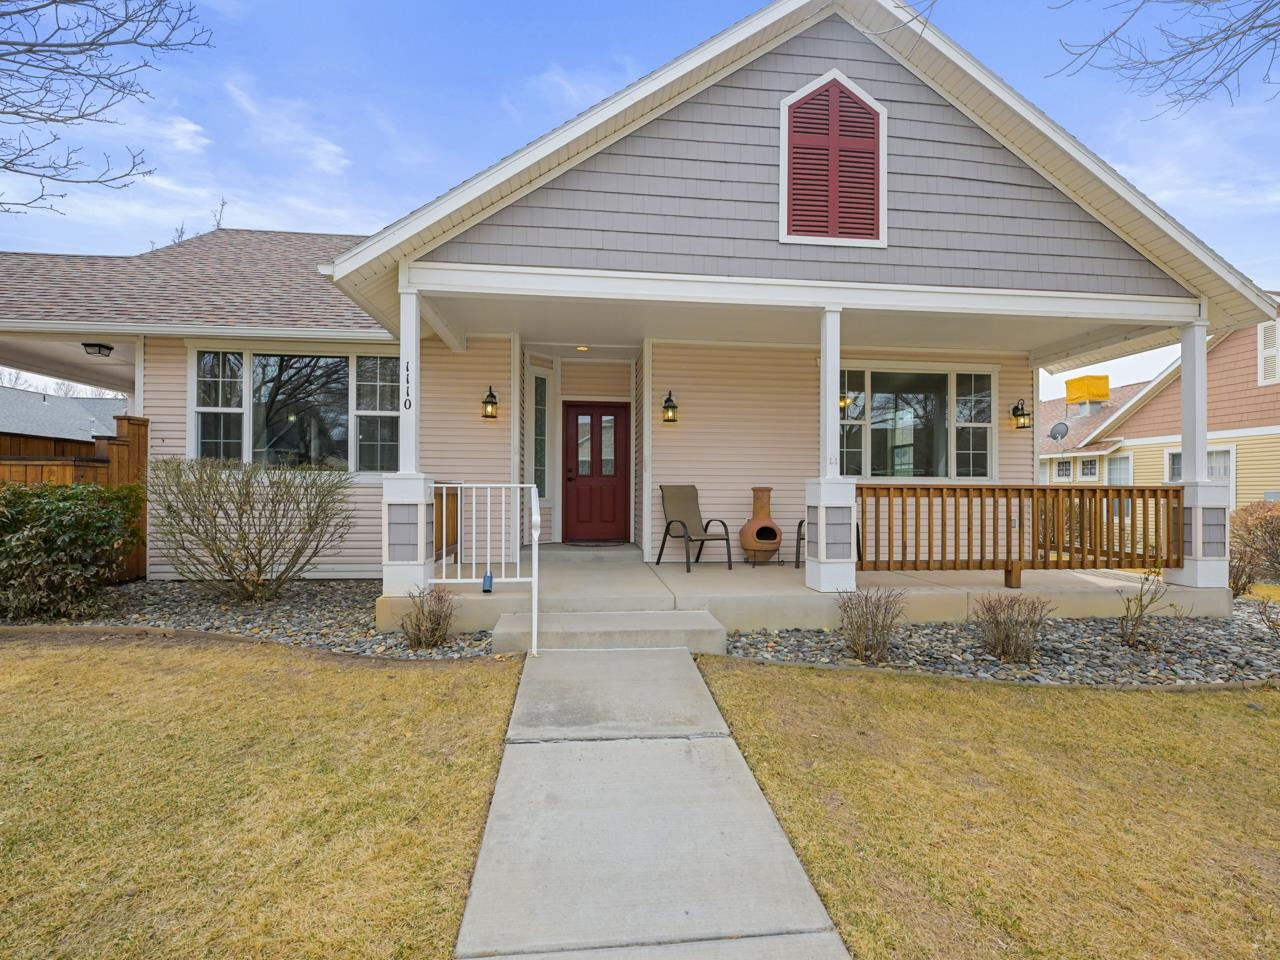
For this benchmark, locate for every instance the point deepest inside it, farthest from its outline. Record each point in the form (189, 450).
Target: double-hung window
(1219, 465)
(923, 425)
(297, 409)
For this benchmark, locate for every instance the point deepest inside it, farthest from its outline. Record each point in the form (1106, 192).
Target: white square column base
(831, 534)
(1206, 537)
(408, 533)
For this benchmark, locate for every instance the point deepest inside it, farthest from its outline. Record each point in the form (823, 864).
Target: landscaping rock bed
(332, 615)
(1085, 652)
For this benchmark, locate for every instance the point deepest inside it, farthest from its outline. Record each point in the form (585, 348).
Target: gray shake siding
(696, 191)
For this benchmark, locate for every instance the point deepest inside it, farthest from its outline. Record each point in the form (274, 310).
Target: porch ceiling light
(1021, 416)
(98, 349)
(670, 412)
(489, 406)
(582, 348)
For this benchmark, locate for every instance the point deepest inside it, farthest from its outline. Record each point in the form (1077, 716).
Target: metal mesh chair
(684, 522)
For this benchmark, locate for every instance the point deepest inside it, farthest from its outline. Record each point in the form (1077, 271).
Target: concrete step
(697, 630)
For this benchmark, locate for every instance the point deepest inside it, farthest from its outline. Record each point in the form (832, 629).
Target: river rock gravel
(333, 615)
(1079, 652)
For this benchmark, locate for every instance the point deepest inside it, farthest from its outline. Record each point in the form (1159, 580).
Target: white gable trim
(897, 28)
(784, 165)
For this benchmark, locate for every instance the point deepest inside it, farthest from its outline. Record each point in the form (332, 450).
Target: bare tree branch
(70, 62)
(1187, 51)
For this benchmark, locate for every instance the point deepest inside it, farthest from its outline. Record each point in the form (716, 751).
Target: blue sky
(345, 119)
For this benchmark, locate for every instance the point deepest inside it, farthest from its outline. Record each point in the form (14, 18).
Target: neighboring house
(35, 414)
(1136, 437)
(840, 246)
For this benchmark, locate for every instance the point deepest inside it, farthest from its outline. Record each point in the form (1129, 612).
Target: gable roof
(36, 414)
(1083, 429)
(368, 272)
(259, 280)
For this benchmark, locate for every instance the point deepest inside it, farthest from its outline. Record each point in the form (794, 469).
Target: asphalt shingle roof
(240, 278)
(1054, 411)
(37, 414)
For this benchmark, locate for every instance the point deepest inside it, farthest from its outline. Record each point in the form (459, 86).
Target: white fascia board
(1063, 141)
(1082, 454)
(64, 330)
(472, 280)
(390, 238)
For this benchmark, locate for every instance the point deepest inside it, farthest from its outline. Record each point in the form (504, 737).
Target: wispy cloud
(176, 133)
(569, 89)
(279, 123)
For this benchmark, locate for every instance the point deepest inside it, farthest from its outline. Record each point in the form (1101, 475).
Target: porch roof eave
(1051, 328)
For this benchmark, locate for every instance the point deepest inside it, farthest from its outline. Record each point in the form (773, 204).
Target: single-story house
(825, 252)
(1132, 433)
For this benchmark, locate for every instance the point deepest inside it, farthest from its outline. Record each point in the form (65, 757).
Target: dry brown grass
(172, 800)
(963, 820)
(1266, 591)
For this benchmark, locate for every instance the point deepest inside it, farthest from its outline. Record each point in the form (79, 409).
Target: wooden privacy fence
(108, 461)
(952, 527)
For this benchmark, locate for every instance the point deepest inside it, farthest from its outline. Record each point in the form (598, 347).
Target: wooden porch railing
(952, 527)
(109, 461)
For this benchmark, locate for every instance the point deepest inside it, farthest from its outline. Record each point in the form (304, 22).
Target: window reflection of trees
(300, 410)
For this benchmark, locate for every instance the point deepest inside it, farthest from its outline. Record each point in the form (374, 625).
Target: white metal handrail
(489, 531)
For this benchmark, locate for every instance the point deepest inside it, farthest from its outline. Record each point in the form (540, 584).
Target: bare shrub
(1011, 624)
(430, 618)
(1269, 613)
(1242, 571)
(870, 620)
(246, 529)
(1255, 538)
(1140, 607)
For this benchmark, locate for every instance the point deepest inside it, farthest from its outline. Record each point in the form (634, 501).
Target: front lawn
(170, 800)
(940, 818)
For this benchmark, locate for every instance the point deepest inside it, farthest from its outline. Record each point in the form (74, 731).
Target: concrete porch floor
(607, 579)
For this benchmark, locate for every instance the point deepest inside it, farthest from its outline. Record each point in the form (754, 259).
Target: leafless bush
(1269, 613)
(1140, 607)
(1255, 538)
(246, 530)
(1011, 624)
(870, 620)
(430, 617)
(1242, 572)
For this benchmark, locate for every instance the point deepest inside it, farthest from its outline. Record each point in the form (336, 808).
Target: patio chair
(684, 522)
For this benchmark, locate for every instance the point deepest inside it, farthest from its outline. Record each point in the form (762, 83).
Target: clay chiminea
(761, 538)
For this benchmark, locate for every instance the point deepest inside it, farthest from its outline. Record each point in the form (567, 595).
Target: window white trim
(1057, 476)
(1094, 477)
(247, 352)
(1127, 459)
(784, 158)
(868, 368)
(1269, 353)
(1231, 474)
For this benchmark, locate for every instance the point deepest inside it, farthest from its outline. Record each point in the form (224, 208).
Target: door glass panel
(584, 444)
(606, 446)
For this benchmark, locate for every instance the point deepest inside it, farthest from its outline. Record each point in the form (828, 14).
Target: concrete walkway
(627, 826)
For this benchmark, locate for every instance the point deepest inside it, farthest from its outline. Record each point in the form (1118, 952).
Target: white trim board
(1050, 306)
(1241, 433)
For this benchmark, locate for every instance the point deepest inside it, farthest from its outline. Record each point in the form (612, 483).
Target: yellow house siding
(1257, 467)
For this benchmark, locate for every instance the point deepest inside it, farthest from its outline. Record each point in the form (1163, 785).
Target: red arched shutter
(833, 166)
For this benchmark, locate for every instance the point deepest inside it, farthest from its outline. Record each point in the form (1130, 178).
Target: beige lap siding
(749, 417)
(590, 378)
(166, 397)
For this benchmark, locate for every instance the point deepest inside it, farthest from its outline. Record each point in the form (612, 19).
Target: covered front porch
(886, 420)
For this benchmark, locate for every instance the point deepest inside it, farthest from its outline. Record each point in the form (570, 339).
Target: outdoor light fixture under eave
(489, 406)
(1021, 416)
(670, 412)
(98, 349)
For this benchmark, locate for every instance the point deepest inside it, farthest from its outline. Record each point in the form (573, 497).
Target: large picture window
(921, 425)
(289, 409)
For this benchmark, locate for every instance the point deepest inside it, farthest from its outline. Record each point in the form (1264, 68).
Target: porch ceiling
(63, 358)
(627, 323)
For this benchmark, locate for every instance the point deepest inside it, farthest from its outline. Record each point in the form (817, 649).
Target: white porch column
(408, 501)
(1206, 503)
(830, 528)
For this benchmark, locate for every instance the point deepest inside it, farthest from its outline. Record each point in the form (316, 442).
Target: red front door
(597, 472)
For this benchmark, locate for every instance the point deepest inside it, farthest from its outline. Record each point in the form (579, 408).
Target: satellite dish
(1059, 431)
